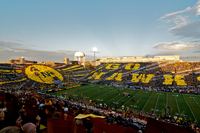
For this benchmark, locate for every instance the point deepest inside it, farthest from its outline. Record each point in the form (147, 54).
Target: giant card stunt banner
(183, 74)
(43, 74)
(36, 73)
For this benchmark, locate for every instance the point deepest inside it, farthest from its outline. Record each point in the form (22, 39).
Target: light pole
(94, 50)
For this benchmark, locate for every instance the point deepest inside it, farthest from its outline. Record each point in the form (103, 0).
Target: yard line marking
(129, 99)
(194, 98)
(120, 99)
(155, 107)
(167, 100)
(106, 95)
(147, 101)
(190, 108)
(99, 92)
(118, 95)
(177, 105)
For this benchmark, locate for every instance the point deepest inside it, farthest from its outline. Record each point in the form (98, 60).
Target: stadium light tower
(94, 50)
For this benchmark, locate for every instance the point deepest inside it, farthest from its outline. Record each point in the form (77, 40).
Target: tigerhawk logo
(43, 74)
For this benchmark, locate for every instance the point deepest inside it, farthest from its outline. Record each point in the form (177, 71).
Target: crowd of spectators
(22, 107)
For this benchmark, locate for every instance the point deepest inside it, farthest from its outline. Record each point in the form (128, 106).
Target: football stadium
(100, 66)
(108, 97)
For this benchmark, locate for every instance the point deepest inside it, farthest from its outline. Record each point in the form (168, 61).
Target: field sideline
(187, 105)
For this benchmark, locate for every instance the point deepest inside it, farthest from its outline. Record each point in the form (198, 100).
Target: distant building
(66, 60)
(192, 58)
(52, 63)
(21, 60)
(127, 59)
(56, 64)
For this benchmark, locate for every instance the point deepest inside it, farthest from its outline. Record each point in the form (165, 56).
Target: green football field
(185, 105)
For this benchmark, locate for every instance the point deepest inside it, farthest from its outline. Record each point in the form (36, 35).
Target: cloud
(177, 46)
(188, 51)
(176, 13)
(197, 51)
(185, 23)
(190, 30)
(12, 50)
(198, 8)
(11, 45)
